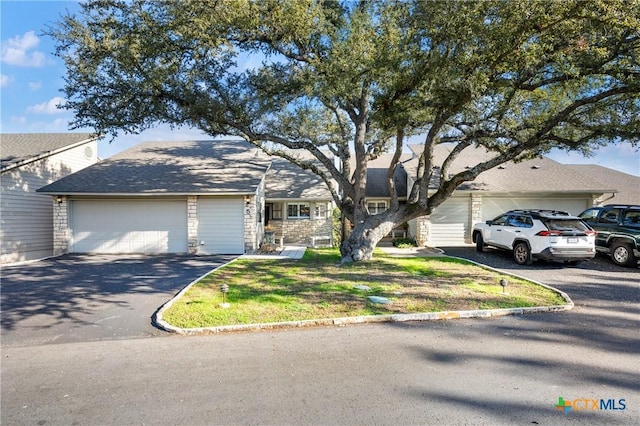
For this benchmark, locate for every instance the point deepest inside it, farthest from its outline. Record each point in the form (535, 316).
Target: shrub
(404, 242)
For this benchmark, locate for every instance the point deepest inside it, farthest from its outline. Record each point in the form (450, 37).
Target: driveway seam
(159, 322)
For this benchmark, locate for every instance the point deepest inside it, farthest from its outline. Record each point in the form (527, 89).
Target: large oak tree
(350, 80)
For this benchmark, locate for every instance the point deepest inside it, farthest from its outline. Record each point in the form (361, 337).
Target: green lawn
(315, 287)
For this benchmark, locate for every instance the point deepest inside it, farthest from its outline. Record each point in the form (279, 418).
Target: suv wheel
(622, 254)
(522, 254)
(479, 242)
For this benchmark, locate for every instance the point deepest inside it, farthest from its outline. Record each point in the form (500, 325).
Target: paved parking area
(78, 298)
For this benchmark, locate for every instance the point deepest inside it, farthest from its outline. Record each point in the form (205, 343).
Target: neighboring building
(28, 162)
(538, 183)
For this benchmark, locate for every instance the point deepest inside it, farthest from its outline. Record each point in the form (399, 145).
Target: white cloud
(21, 51)
(35, 85)
(19, 119)
(5, 80)
(48, 107)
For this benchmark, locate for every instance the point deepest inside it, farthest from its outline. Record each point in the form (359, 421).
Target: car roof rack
(548, 214)
(623, 206)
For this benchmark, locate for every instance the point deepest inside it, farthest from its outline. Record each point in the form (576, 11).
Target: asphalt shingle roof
(285, 180)
(185, 167)
(628, 186)
(377, 177)
(536, 175)
(16, 148)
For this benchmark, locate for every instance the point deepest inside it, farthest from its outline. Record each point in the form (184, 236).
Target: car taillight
(549, 233)
(591, 233)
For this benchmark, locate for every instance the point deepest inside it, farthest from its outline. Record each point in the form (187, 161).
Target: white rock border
(158, 321)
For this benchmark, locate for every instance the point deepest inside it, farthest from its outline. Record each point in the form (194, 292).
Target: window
(631, 218)
(501, 220)
(610, 216)
(276, 211)
(520, 221)
(376, 207)
(320, 211)
(589, 215)
(298, 211)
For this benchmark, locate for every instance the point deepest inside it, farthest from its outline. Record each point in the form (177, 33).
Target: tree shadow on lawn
(426, 286)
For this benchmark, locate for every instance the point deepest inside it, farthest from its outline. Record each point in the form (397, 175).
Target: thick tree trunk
(359, 245)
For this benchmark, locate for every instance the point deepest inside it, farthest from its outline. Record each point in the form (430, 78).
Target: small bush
(404, 242)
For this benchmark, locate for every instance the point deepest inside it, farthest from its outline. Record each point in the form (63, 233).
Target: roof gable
(21, 148)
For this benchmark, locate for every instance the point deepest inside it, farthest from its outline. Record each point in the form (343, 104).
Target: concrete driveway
(79, 298)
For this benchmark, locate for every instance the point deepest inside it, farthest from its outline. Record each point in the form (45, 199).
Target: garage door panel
(127, 226)
(220, 225)
(493, 207)
(449, 223)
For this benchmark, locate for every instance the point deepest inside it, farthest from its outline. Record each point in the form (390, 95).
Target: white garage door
(492, 207)
(220, 225)
(129, 226)
(449, 223)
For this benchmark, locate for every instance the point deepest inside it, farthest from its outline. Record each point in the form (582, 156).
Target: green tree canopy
(350, 80)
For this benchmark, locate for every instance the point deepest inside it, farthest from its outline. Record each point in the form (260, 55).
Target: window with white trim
(320, 211)
(376, 207)
(298, 211)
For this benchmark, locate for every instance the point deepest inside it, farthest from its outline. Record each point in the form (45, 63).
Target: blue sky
(31, 79)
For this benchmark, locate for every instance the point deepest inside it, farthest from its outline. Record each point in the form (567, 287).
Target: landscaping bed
(315, 287)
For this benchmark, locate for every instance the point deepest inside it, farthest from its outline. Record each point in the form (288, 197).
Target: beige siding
(26, 223)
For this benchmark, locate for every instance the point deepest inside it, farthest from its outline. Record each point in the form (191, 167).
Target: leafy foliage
(351, 80)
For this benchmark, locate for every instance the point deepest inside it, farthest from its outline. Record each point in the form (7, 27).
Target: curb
(427, 316)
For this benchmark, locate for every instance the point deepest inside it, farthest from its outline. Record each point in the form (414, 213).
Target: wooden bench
(395, 233)
(316, 239)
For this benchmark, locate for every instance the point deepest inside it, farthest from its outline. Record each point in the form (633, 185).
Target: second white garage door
(129, 226)
(220, 225)
(449, 223)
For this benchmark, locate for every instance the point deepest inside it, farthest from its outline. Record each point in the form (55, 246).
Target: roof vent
(501, 167)
(535, 167)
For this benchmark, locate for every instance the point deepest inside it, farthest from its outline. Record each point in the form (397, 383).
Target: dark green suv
(618, 227)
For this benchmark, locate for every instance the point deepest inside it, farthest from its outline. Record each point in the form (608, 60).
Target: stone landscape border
(158, 321)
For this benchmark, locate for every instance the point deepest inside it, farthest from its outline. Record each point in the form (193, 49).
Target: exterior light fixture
(59, 199)
(224, 289)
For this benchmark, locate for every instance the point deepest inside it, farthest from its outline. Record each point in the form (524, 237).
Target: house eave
(148, 194)
(46, 154)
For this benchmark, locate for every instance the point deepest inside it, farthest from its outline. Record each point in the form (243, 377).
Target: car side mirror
(489, 222)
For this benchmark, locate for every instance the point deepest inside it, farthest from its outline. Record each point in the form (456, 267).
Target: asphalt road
(508, 370)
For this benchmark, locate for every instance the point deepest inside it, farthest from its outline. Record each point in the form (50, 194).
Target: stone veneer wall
(422, 231)
(60, 226)
(192, 224)
(250, 224)
(300, 231)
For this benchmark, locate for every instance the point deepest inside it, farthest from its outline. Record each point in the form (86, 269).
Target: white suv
(537, 234)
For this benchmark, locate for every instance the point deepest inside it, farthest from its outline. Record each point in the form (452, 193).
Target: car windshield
(566, 225)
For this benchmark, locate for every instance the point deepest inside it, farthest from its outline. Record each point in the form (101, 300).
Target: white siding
(128, 226)
(26, 218)
(220, 225)
(449, 223)
(494, 206)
